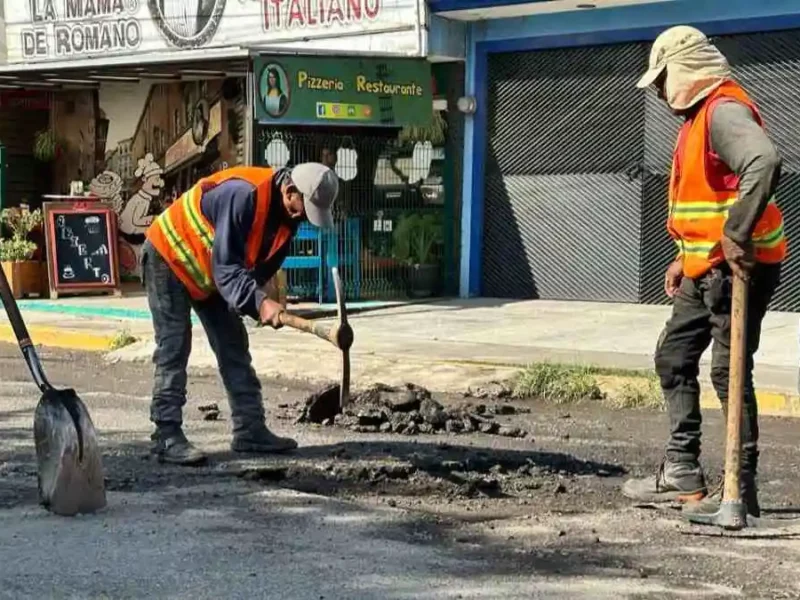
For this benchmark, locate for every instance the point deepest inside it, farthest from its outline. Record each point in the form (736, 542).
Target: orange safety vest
(184, 237)
(702, 190)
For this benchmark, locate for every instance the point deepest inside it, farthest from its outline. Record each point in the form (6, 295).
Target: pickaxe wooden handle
(736, 385)
(340, 334)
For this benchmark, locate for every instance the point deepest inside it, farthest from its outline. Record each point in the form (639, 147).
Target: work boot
(672, 482)
(711, 503)
(171, 446)
(258, 438)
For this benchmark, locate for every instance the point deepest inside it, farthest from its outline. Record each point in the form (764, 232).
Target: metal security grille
(563, 198)
(578, 169)
(384, 185)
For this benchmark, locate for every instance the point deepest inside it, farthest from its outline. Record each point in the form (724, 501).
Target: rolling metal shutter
(578, 164)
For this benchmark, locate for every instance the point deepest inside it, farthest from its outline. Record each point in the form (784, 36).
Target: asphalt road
(374, 516)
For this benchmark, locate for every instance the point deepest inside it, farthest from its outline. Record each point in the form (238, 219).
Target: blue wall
(581, 28)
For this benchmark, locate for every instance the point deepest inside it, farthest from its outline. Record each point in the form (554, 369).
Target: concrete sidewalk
(445, 345)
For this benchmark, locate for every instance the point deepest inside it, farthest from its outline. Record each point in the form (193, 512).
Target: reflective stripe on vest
(185, 238)
(702, 190)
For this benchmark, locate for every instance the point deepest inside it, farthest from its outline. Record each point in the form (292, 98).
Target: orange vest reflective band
(703, 188)
(184, 237)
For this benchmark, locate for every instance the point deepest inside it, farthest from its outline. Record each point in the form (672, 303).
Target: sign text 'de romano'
(81, 27)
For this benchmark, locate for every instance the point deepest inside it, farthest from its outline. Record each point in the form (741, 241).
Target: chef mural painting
(135, 214)
(158, 139)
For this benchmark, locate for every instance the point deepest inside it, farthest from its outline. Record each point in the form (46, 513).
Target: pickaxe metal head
(344, 338)
(340, 334)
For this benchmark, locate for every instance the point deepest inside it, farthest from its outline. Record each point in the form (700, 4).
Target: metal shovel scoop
(70, 469)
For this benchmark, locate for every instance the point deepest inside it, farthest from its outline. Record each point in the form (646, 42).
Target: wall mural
(139, 146)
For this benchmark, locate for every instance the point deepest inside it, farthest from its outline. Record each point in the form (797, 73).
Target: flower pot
(423, 280)
(24, 277)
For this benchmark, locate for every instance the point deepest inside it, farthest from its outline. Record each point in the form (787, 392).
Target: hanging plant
(46, 146)
(435, 132)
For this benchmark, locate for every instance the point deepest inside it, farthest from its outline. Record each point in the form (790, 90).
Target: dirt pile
(409, 410)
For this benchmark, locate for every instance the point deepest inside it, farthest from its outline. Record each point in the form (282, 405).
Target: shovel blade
(70, 468)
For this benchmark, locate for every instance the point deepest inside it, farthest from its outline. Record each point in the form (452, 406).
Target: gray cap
(319, 186)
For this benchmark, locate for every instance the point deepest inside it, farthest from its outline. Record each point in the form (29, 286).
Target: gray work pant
(170, 305)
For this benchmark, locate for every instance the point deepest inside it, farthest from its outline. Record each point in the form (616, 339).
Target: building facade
(566, 163)
(139, 98)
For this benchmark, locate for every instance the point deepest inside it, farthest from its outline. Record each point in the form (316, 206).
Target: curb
(770, 403)
(55, 337)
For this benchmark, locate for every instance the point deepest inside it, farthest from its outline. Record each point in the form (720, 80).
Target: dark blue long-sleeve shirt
(230, 208)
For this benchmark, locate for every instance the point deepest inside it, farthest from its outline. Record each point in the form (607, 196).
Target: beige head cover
(695, 67)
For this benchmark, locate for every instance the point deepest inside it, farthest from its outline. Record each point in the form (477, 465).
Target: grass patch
(565, 384)
(556, 383)
(121, 339)
(638, 393)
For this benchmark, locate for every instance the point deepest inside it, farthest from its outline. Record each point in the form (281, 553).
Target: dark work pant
(702, 313)
(170, 305)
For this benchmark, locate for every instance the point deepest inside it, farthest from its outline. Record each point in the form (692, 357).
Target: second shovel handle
(321, 331)
(733, 445)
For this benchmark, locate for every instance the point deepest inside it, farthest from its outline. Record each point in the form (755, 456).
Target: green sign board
(389, 92)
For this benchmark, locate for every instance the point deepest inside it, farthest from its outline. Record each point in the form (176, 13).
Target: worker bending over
(213, 250)
(724, 219)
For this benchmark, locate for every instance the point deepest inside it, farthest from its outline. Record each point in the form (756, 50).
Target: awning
(72, 74)
(481, 10)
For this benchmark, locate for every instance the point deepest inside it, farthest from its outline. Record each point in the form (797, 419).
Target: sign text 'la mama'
(74, 27)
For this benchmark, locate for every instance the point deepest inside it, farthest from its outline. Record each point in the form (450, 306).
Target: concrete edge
(770, 402)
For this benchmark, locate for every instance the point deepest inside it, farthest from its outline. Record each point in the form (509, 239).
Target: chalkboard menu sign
(81, 247)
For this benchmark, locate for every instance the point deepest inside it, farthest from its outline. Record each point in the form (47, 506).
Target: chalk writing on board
(81, 249)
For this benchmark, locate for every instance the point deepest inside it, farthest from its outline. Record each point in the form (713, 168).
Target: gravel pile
(409, 410)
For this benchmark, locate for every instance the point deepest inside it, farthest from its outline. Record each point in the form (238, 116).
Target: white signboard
(49, 30)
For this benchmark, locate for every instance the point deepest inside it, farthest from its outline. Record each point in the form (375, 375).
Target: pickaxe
(340, 334)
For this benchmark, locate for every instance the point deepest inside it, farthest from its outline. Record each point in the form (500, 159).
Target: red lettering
(372, 8)
(295, 14)
(272, 7)
(335, 12)
(354, 10)
(310, 20)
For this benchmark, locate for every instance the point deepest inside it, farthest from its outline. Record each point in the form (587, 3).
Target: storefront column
(474, 154)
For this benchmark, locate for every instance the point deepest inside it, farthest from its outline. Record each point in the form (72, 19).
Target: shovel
(70, 469)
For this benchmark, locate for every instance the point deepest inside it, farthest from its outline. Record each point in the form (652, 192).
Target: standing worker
(723, 217)
(213, 250)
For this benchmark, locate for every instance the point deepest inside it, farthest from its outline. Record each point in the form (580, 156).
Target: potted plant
(16, 253)
(416, 239)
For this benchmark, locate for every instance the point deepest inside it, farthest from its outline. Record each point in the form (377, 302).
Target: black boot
(171, 446)
(256, 437)
(710, 504)
(672, 482)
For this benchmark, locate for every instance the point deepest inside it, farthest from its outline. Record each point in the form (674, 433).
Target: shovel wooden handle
(733, 445)
(319, 330)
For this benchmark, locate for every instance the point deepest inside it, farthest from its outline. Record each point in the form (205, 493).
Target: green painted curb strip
(110, 312)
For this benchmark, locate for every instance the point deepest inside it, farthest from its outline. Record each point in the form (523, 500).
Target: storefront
(145, 96)
(372, 120)
(566, 162)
